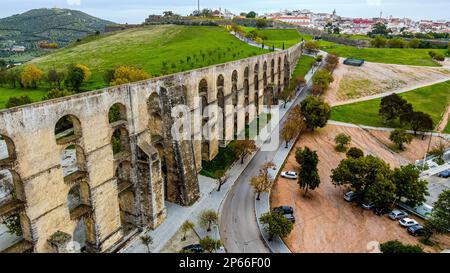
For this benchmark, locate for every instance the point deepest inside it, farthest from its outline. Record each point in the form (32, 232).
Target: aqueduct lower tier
(96, 166)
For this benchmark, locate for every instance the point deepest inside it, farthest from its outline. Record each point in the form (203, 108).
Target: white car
(290, 175)
(397, 214)
(408, 222)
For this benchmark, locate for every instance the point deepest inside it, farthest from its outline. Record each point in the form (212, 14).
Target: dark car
(290, 217)
(380, 211)
(416, 230)
(445, 174)
(284, 210)
(194, 248)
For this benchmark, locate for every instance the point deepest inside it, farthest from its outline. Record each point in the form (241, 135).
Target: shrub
(30, 76)
(17, 101)
(127, 74)
(342, 140)
(354, 152)
(56, 93)
(398, 247)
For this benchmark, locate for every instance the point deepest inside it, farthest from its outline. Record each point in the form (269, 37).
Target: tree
(397, 247)
(18, 101)
(315, 111)
(342, 140)
(286, 95)
(127, 74)
(439, 150)
(290, 129)
(56, 93)
(242, 148)
(261, 23)
(354, 152)
(30, 76)
(187, 225)
(439, 221)
(300, 81)
(400, 137)
(251, 14)
(55, 78)
(382, 191)
(147, 240)
(207, 218)
(12, 223)
(108, 76)
(393, 106)
(276, 224)
(209, 244)
(380, 29)
(323, 78)
(222, 178)
(414, 43)
(3, 63)
(396, 43)
(409, 185)
(263, 181)
(86, 71)
(74, 77)
(418, 121)
(378, 42)
(360, 174)
(311, 46)
(308, 177)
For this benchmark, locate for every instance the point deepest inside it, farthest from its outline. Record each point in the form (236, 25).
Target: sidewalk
(253, 43)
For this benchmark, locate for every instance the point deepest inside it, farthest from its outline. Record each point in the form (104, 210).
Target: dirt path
(325, 222)
(374, 80)
(444, 120)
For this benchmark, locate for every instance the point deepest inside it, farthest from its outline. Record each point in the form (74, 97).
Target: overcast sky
(135, 11)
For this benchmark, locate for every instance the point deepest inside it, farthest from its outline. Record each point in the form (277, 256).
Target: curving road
(238, 228)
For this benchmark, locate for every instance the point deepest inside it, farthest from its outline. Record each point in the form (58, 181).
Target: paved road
(238, 228)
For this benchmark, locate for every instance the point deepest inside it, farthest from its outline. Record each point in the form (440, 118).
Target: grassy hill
(56, 25)
(158, 50)
(405, 56)
(277, 37)
(432, 100)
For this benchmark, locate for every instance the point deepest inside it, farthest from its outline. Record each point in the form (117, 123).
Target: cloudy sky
(135, 11)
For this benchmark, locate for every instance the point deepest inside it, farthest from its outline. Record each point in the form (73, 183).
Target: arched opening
(128, 217)
(12, 209)
(120, 142)
(73, 163)
(160, 147)
(154, 104)
(268, 96)
(265, 79)
(84, 234)
(287, 71)
(203, 93)
(279, 71)
(117, 113)
(234, 93)
(7, 149)
(67, 129)
(78, 199)
(221, 104)
(272, 71)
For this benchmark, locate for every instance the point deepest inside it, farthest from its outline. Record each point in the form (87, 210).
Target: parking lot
(436, 185)
(324, 221)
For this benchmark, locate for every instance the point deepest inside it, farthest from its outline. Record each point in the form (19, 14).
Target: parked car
(408, 222)
(397, 214)
(290, 217)
(380, 210)
(350, 196)
(445, 174)
(284, 210)
(416, 230)
(196, 248)
(289, 175)
(368, 206)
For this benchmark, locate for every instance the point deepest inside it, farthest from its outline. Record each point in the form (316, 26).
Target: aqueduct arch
(120, 187)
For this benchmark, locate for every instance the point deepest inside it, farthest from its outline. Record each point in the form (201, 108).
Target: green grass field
(276, 37)
(303, 66)
(158, 50)
(432, 100)
(447, 128)
(5, 93)
(405, 56)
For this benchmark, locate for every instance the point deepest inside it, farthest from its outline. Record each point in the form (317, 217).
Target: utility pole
(198, 7)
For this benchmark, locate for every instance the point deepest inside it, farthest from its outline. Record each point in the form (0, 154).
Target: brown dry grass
(325, 222)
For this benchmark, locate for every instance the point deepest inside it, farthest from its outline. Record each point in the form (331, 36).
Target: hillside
(62, 26)
(157, 49)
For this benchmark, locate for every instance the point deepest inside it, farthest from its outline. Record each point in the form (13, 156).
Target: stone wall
(130, 186)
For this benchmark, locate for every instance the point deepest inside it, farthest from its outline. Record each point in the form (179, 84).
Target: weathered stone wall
(37, 159)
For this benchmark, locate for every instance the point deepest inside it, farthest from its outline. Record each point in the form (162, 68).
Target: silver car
(350, 196)
(290, 175)
(397, 214)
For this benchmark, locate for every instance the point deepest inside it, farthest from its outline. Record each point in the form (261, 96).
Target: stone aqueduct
(108, 194)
